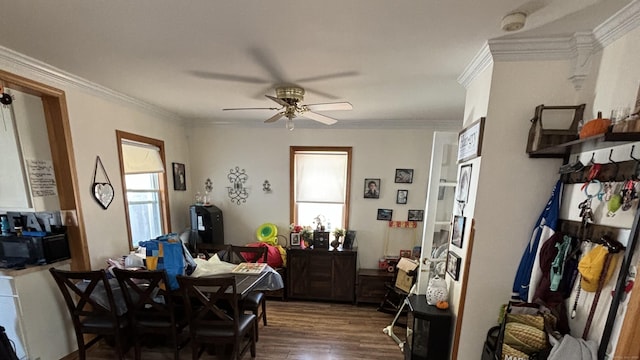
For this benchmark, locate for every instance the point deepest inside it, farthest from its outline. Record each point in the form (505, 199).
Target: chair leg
(82, 350)
(138, 348)
(253, 340)
(264, 311)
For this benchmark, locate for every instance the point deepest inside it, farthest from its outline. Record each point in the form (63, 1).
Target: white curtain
(321, 177)
(141, 158)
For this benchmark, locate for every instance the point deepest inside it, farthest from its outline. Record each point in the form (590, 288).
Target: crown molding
(622, 22)
(578, 47)
(478, 64)
(49, 74)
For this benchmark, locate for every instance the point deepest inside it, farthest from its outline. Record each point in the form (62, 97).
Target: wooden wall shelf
(587, 144)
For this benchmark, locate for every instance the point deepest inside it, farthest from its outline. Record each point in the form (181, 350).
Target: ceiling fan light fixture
(290, 125)
(514, 21)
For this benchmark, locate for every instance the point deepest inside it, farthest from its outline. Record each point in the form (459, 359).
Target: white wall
(264, 154)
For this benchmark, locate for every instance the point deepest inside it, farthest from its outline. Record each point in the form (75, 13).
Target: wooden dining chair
(92, 307)
(222, 250)
(214, 315)
(151, 307)
(255, 301)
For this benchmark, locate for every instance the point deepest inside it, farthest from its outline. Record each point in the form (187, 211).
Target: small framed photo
(385, 214)
(462, 189)
(416, 215)
(294, 239)
(179, 177)
(453, 265)
(404, 176)
(458, 230)
(371, 188)
(401, 197)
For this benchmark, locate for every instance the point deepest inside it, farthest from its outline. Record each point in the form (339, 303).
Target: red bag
(274, 258)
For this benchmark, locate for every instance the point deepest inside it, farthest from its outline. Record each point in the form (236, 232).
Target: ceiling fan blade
(247, 108)
(318, 117)
(228, 77)
(328, 76)
(267, 62)
(279, 101)
(330, 106)
(275, 117)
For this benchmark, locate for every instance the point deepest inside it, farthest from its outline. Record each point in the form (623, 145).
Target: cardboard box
(406, 274)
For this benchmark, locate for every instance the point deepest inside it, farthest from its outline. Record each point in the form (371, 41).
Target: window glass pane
(143, 199)
(332, 213)
(147, 181)
(145, 221)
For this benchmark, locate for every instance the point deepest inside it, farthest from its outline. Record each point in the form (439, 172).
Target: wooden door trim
(56, 115)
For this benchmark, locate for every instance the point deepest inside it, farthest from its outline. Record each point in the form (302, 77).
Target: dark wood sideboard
(372, 285)
(321, 274)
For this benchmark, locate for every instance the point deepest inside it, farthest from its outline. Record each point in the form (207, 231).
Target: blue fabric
(548, 219)
(168, 250)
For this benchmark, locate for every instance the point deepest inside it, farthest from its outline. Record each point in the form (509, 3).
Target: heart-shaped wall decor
(103, 192)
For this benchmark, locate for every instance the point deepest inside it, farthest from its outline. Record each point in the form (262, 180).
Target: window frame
(165, 217)
(293, 211)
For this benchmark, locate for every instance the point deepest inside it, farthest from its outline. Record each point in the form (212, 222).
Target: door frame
(54, 103)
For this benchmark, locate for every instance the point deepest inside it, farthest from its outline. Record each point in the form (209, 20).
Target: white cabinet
(440, 201)
(34, 313)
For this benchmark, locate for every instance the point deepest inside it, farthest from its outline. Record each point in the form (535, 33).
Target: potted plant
(306, 235)
(338, 233)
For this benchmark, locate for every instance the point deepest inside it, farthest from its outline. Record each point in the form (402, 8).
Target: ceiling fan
(289, 98)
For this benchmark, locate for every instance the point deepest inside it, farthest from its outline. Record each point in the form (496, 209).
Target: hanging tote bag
(545, 227)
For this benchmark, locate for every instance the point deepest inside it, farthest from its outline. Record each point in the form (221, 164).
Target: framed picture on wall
(462, 189)
(453, 265)
(401, 196)
(470, 141)
(371, 188)
(457, 230)
(179, 177)
(385, 214)
(404, 176)
(415, 215)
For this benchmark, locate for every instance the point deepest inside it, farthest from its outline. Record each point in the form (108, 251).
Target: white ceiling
(393, 60)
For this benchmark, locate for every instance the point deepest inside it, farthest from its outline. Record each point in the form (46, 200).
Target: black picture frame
(294, 239)
(349, 239)
(179, 177)
(385, 214)
(401, 196)
(453, 265)
(415, 215)
(457, 230)
(404, 176)
(371, 188)
(464, 182)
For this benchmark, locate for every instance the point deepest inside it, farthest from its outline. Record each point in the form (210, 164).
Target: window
(320, 183)
(144, 179)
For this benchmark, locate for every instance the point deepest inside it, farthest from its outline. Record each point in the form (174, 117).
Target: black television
(207, 222)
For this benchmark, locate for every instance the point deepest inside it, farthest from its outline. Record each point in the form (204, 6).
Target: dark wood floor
(302, 331)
